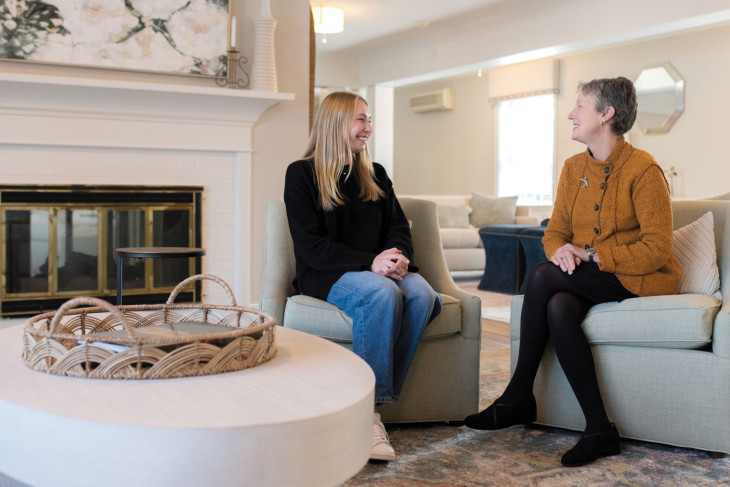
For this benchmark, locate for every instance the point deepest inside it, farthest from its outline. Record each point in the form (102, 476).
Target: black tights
(555, 305)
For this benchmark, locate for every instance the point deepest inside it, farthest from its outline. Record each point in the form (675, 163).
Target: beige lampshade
(328, 20)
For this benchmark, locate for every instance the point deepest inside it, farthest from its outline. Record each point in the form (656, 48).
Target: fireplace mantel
(87, 112)
(60, 129)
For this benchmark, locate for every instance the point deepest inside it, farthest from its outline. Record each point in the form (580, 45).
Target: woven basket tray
(148, 341)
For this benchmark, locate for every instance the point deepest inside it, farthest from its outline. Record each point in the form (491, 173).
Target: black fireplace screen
(59, 242)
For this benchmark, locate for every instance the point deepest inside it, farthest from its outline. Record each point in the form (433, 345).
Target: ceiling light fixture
(328, 20)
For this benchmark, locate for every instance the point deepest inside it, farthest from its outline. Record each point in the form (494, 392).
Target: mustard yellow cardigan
(620, 207)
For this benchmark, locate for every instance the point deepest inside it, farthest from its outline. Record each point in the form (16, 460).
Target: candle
(233, 32)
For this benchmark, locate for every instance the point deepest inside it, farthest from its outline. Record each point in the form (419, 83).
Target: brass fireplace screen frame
(154, 201)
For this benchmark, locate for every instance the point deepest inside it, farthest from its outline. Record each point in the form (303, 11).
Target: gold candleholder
(233, 65)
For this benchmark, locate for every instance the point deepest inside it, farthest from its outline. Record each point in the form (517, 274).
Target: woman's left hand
(568, 257)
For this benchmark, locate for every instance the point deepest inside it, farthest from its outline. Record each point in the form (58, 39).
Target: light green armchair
(443, 382)
(663, 362)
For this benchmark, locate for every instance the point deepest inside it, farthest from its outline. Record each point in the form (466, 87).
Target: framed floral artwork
(178, 36)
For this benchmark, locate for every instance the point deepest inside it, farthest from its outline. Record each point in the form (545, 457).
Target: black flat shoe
(499, 416)
(593, 446)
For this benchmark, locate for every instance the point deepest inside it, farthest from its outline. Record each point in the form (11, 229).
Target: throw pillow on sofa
(492, 211)
(453, 216)
(694, 249)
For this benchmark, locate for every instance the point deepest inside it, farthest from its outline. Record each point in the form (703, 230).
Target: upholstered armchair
(443, 382)
(663, 362)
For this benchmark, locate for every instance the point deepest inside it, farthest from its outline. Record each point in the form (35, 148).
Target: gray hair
(618, 93)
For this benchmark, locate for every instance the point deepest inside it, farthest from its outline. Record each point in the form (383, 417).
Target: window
(525, 148)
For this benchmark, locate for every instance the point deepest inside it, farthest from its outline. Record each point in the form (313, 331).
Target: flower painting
(181, 36)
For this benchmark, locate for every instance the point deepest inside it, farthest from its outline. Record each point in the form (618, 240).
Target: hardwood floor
(495, 314)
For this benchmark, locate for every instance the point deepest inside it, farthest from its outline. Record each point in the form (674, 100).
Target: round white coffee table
(304, 418)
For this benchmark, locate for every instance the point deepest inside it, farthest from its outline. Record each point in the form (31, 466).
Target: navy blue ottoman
(505, 264)
(530, 240)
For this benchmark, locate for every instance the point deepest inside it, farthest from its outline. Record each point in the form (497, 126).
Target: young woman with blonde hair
(353, 247)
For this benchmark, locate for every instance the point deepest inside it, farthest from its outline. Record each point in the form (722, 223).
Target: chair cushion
(679, 321)
(460, 238)
(317, 317)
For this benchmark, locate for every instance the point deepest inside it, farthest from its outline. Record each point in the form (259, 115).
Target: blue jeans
(388, 319)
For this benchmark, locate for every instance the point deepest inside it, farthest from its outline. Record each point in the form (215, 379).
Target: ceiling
(367, 21)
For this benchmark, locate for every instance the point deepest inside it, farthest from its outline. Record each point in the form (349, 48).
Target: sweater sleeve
(652, 206)
(308, 229)
(559, 230)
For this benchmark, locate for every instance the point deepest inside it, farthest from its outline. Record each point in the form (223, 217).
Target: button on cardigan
(624, 213)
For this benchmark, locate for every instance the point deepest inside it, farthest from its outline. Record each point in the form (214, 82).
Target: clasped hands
(391, 263)
(568, 257)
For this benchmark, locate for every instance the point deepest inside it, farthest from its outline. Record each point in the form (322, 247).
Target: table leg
(119, 279)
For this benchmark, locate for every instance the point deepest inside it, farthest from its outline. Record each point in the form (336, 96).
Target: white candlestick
(233, 32)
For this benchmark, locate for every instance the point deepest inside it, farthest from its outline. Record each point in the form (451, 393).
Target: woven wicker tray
(102, 341)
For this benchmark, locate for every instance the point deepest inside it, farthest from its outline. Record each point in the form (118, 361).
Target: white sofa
(460, 237)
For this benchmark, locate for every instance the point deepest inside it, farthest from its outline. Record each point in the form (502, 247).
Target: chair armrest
(471, 310)
(278, 262)
(429, 256)
(515, 316)
(721, 330)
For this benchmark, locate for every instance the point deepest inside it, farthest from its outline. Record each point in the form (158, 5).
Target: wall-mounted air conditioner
(433, 100)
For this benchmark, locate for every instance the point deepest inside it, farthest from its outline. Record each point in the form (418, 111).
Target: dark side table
(151, 253)
(531, 243)
(505, 261)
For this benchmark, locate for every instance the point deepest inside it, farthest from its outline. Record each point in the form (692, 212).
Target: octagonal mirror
(660, 91)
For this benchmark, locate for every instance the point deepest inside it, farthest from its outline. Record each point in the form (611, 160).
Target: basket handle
(200, 277)
(72, 303)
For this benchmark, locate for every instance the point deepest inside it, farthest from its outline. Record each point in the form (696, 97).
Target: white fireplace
(70, 130)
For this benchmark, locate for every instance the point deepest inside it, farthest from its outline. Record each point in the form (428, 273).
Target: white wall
(453, 152)
(696, 145)
(445, 152)
(281, 132)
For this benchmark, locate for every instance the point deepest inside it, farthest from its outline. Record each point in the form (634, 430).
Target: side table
(505, 261)
(151, 253)
(531, 242)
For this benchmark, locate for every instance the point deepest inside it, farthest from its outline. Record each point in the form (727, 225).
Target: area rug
(442, 455)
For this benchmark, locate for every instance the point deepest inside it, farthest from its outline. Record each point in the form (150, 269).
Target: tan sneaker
(381, 445)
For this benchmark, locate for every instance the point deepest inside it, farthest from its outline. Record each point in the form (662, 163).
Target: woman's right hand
(391, 263)
(567, 257)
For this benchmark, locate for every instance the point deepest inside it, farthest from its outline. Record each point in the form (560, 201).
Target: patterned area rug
(445, 455)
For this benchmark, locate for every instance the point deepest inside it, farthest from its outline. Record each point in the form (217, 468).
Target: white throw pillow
(694, 248)
(492, 211)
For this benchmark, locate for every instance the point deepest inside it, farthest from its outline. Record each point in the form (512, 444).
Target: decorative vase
(263, 72)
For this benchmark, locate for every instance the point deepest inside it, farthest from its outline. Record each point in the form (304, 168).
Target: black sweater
(329, 243)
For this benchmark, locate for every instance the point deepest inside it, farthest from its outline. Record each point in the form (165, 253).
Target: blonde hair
(329, 147)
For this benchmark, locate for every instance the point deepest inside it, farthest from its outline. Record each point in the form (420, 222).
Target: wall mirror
(660, 91)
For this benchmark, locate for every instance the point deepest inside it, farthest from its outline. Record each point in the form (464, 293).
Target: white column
(381, 101)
